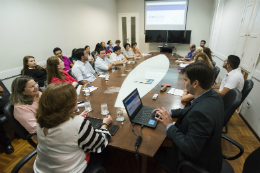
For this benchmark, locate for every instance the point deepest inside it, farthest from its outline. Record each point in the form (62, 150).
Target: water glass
(87, 91)
(113, 68)
(87, 105)
(124, 64)
(104, 110)
(119, 115)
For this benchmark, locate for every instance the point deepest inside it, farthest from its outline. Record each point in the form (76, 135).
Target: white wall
(35, 27)
(198, 20)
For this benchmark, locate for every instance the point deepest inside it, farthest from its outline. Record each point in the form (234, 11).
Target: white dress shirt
(233, 79)
(83, 71)
(115, 57)
(101, 65)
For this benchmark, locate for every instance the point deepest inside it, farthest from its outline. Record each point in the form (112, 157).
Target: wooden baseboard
(250, 128)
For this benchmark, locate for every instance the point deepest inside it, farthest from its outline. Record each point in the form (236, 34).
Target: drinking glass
(104, 110)
(124, 64)
(119, 115)
(87, 91)
(87, 105)
(113, 68)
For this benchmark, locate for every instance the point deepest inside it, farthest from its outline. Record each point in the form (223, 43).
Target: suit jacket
(197, 136)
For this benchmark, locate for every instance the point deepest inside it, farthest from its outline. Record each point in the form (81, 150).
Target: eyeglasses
(34, 85)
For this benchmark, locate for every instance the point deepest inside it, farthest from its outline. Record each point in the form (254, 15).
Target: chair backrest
(6, 92)
(216, 70)
(232, 100)
(213, 63)
(251, 164)
(18, 128)
(248, 85)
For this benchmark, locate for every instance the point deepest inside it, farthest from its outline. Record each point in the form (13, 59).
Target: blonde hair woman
(56, 74)
(205, 58)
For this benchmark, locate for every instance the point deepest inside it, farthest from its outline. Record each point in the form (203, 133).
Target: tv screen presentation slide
(161, 15)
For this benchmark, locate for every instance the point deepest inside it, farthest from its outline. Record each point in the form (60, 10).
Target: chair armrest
(98, 170)
(23, 161)
(30, 141)
(239, 146)
(191, 165)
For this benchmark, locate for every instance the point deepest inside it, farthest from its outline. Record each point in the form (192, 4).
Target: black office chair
(6, 94)
(226, 167)
(232, 101)
(19, 165)
(251, 164)
(216, 70)
(213, 63)
(248, 85)
(18, 128)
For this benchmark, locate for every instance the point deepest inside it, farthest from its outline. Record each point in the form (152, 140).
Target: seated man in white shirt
(117, 57)
(82, 70)
(102, 63)
(234, 77)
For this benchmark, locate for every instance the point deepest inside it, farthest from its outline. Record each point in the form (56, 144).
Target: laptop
(138, 113)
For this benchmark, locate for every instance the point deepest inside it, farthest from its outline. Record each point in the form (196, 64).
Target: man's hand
(1, 91)
(164, 117)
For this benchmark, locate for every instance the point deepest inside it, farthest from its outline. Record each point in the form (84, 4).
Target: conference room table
(124, 138)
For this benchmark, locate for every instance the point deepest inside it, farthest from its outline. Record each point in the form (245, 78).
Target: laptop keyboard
(146, 115)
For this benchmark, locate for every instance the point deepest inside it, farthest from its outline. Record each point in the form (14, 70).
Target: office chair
(19, 165)
(248, 85)
(216, 70)
(18, 128)
(6, 94)
(251, 164)
(213, 63)
(226, 167)
(232, 101)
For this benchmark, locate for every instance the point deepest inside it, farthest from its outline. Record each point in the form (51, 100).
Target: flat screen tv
(182, 36)
(155, 36)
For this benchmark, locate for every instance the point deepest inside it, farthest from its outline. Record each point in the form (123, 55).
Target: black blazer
(38, 75)
(197, 135)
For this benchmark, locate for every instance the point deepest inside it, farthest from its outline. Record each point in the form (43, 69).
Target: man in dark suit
(196, 135)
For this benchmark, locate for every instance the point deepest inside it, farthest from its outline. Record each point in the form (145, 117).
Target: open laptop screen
(132, 102)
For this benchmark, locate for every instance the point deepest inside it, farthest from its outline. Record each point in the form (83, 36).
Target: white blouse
(62, 150)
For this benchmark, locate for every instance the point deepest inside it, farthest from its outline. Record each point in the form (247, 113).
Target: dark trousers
(97, 160)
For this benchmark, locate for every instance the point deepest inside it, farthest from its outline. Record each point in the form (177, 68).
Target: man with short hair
(102, 63)
(189, 56)
(67, 63)
(196, 135)
(117, 57)
(82, 70)
(233, 79)
(202, 43)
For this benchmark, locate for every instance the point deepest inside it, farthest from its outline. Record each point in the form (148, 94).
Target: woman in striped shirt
(65, 139)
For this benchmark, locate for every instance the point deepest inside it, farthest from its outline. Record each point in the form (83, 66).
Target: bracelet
(103, 124)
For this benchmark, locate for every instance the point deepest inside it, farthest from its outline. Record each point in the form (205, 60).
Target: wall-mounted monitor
(182, 36)
(155, 36)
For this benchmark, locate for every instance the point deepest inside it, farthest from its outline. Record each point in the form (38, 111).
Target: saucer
(105, 113)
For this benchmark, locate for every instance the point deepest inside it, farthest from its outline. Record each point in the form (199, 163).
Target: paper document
(178, 61)
(176, 92)
(144, 54)
(92, 88)
(183, 65)
(79, 89)
(103, 76)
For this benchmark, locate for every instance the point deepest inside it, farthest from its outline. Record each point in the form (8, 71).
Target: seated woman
(194, 55)
(91, 60)
(136, 50)
(200, 57)
(30, 68)
(95, 52)
(110, 46)
(56, 74)
(128, 53)
(67, 142)
(73, 58)
(25, 98)
(103, 45)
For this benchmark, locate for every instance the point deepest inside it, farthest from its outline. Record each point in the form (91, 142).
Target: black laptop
(138, 113)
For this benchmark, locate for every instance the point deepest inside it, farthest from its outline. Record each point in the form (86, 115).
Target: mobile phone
(113, 129)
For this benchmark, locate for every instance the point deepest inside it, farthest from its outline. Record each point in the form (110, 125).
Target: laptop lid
(133, 104)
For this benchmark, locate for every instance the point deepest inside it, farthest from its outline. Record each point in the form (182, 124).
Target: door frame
(128, 26)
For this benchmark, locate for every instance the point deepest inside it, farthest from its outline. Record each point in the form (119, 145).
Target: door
(128, 24)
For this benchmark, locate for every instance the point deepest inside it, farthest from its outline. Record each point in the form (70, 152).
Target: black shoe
(9, 149)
